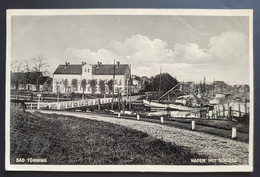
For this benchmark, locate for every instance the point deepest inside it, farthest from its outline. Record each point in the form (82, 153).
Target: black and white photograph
(155, 90)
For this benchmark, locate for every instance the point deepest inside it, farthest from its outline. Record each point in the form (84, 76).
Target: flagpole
(160, 82)
(130, 89)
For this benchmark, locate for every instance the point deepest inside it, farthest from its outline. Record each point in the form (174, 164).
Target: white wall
(59, 77)
(120, 80)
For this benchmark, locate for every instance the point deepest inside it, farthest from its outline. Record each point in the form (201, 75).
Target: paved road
(223, 149)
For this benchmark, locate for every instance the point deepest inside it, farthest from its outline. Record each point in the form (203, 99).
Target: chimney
(98, 64)
(66, 64)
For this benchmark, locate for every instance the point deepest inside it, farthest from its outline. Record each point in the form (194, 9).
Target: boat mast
(160, 84)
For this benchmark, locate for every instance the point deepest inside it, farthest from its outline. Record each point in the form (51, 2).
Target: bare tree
(83, 85)
(102, 87)
(93, 84)
(74, 84)
(58, 83)
(66, 85)
(110, 85)
(17, 66)
(40, 64)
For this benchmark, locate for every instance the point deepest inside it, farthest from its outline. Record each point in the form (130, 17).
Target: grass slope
(71, 140)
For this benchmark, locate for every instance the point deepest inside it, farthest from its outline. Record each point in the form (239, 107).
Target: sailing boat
(183, 103)
(190, 102)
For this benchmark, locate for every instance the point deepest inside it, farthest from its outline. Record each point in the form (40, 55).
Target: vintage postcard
(151, 90)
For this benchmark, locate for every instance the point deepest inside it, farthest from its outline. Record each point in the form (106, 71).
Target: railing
(68, 104)
(230, 109)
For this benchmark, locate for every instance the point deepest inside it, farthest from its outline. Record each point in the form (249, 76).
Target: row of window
(87, 70)
(88, 89)
(62, 81)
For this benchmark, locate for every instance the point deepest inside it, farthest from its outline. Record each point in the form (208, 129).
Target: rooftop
(103, 69)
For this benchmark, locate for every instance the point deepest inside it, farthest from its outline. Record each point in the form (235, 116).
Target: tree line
(161, 82)
(35, 64)
(83, 85)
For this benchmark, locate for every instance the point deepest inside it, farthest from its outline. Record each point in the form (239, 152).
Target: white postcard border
(128, 168)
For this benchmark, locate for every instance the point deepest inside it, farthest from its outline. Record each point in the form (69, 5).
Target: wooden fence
(233, 109)
(68, 104)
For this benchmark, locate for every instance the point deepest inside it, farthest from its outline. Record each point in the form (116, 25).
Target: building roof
(137, 78)
(109, 69)
(43, 79)
(102, 69)
(29, 78)
(69, 69)
(33, 77)
(219, 83)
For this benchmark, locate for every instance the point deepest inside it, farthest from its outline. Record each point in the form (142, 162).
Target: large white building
(65, 74)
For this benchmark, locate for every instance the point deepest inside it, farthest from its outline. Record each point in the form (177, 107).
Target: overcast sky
(189, 48)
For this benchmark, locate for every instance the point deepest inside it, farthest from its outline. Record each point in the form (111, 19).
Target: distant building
(187, 87)
(33, 81)
(220, 86)
(137, 84)
(65, 74)
(243, 88)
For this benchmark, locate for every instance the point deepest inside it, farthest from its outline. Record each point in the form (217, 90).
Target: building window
(85, 70)
(120, 82)
(88, 70)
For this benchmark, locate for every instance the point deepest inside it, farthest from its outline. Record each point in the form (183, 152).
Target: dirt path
(223, 149)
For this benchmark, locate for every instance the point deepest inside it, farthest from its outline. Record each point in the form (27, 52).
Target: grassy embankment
(71, 140)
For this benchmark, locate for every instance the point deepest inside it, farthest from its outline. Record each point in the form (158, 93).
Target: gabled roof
(137, 78)
(109, 69)
(69, 69)
(28, 77)
(33, 77)
(43, 79)
(219, 83)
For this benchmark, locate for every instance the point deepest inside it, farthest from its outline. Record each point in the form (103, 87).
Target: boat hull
(171, 106)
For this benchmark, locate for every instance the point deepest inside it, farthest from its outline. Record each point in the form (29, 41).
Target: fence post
(239, 111)
(162, 120)
(99, 105)
(58, 106)
(193, 125)
(138, 117)
(229, 113)
(223, 110)
(124, 103)
(234, 132)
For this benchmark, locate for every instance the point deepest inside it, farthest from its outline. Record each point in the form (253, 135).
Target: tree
(167, 82)
(66, 85)
(17, 66)
(74, 84)
(147, 86)
(83, 85)
(102, 86)
(93, 84)
(58, 89)
(40, 64)
(110, 85)
(48, 84)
